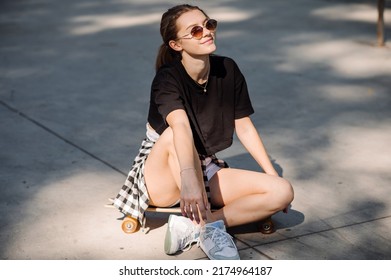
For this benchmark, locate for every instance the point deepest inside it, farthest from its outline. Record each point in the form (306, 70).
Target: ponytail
(165, 55)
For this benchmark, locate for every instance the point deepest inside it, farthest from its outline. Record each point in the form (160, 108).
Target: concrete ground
(74, 92)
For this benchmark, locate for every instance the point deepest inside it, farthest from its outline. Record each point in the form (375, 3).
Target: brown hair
(168, 31)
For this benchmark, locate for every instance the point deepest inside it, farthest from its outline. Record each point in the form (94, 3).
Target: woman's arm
(193, 196)
(249, 137)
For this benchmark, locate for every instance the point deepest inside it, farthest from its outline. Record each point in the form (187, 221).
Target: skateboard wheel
(266, 226)
(130, 225)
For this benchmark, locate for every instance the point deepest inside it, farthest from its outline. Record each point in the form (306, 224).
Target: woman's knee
(166, 139)
(284, 194)
(163, 149)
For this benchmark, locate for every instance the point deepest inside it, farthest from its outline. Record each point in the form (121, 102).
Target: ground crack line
(47, 129)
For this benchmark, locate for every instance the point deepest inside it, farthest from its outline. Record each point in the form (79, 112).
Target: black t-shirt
(212, 114)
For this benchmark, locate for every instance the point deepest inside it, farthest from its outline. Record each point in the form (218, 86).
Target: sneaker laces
(219, 237)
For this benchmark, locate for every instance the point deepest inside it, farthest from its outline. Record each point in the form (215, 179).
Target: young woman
(198, 100)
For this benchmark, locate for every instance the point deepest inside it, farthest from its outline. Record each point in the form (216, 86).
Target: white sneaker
(181, 233)
(217, 243)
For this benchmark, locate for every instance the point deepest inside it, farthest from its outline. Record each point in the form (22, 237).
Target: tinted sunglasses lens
(211, 24)
(197, 32)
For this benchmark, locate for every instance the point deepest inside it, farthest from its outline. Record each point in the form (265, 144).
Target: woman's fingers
(193, 211)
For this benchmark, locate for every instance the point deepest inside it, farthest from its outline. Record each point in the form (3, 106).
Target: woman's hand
(194, 201)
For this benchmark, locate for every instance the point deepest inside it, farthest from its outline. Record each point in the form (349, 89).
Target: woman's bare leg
(162, 171)
(245, 196)
(248, 196)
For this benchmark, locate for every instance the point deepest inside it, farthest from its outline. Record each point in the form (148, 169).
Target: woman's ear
(175, 45)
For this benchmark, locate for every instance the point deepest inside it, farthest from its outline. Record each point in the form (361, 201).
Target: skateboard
(132, 225)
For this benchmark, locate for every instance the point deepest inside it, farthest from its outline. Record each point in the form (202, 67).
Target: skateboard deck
(131, 225)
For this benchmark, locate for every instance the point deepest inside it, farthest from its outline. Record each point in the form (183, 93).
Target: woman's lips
(207, 41)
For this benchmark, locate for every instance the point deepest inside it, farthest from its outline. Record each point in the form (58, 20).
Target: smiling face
(187, 43)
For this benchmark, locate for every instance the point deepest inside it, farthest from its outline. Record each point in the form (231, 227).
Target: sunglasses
(197, 32)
